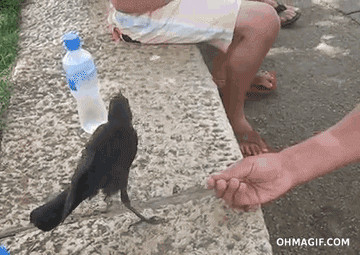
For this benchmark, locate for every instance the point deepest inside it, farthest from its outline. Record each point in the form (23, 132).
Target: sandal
(280, 8)
(256, 90)
(260, 89)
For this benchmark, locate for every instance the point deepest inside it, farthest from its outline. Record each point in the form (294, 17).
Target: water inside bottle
(91, 108)
(92, 113)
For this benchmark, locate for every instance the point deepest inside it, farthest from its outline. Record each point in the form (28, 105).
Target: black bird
(104, 164)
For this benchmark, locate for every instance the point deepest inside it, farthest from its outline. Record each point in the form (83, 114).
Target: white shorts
(180, 21)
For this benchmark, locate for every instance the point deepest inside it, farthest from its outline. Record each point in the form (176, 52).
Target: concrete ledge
(183, 134)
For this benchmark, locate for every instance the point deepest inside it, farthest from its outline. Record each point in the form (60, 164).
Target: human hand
(253, 181)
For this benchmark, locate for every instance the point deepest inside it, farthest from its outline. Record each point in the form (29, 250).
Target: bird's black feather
(104, 164)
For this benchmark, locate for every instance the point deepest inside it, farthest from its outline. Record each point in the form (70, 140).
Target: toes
(269, 76)
(290, 12)
(264, 147)
(248, 150)
(251, 151)
(292, 8)
(255, 149)
(288, 15)
(242, 149)
(264, 78)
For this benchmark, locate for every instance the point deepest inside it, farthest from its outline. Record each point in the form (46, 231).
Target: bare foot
(249, 140)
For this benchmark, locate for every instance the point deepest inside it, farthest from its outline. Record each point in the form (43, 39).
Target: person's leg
(251, 42)
(218, 71)
(256, 27)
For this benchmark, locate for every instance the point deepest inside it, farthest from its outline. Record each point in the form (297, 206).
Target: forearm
(138, 6)
(336, 147)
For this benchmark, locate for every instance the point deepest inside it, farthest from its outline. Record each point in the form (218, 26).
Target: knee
(261, 23)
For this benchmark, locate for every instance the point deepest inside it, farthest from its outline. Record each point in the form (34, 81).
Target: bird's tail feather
(74, 198)
(49, 215)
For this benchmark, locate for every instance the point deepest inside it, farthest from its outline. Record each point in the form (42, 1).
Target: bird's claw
(153, 220)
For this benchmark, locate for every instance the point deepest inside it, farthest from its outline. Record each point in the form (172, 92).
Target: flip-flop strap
(291, 21)
(280, 8)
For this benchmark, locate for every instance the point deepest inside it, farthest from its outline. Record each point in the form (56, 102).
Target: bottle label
(76, 79)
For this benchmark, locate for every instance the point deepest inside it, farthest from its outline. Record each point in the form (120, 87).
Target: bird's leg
(108, 202)
(153, 220)
(126, 201)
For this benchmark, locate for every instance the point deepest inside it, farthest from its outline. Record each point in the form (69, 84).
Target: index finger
(238, 170)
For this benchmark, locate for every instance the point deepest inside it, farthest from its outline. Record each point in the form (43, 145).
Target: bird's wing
(80, 188)
(87, 177)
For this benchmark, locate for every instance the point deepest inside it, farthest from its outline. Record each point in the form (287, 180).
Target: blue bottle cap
(72, 41)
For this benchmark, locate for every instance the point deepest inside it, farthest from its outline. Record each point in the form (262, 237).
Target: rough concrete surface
(317, 64)
(183, 133)
(318, 71)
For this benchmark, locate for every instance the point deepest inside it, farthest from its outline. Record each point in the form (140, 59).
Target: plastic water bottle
(82, 79)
